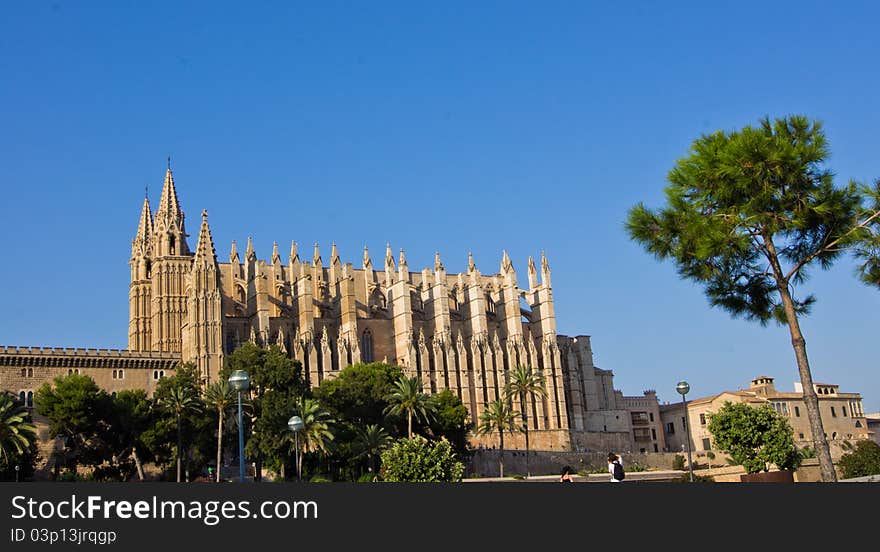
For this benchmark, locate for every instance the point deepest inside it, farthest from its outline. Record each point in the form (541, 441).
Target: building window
(23, 372)
(30, 399)
(800, 435)
(706, 444)
(797, 412)
(155, 374)
(121, 374)
(653, 434)
(651, 416)
(702, 419)
(114, 374)
(833, 435)
(858, 423)
(70, 372)
(833, 412)
(22, 397)
(843, 409)
(670, 428)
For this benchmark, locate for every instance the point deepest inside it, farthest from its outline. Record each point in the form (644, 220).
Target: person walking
(566, 475)
(615, 468)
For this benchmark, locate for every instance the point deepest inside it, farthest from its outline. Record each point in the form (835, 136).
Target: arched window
(21, 397)
(149, 268)
(161, 374)
(70, 372)
(23, 372)
(113, 394)
(76, 371)
(114, 374)
(367, 346)
(155, 374)
(30, 399)
(490, 304)
(171, 245)
(30, 372)
(121, 374)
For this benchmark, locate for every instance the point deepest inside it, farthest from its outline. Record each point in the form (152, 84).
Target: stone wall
(484, 463)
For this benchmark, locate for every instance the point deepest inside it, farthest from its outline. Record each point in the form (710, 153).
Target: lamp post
(295, 424)
(240, 381)
(683, 387)
(17, 467)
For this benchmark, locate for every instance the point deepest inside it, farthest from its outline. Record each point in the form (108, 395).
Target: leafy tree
(77, 410)
(371, 440)
(678, 462)
(181, 400)
(525, 384)
(499, 416)
(358, 394)
(17, 434)
(748, 214)
(416, 459)
(755, 437)
(220, 398)
(315, 435)
(276, 382)
(860, 460)
(450, 421)
(132, 416)
(407, 398)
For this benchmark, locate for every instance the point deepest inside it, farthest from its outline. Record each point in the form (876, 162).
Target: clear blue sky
(458, 126)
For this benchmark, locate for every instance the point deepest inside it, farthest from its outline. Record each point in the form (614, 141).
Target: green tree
(407, 398)
(748, 214)
(220, 398)
(358, 394)
(17, 433)
(755, 437)
(276, 382)
(418, 460)
(132, 416)
(76, 409)
(499, 416)
(370, 441)
(315, 435)
(180, 401)
(450, 421)
(860, 460)
(525, 384)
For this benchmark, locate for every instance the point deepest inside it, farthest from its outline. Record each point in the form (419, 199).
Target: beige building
(459, 331)
(842, 416)
(645, 422)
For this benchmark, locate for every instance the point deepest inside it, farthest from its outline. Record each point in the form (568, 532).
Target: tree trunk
(219, 442)
(137, 463)
(409, 423)
(501, 450)
(526, 426)
(179, 446)
(283, 475)
(811, 400)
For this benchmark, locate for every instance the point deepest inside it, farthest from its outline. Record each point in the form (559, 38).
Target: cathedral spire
(533, 274)
(169, 229)
(169, 207)
(275, 255)
(140, 246)
(316, 258)
(334, 255)
(368, 264)
(205, 248)
(403, 259)
(437, 264)
(471, 265)
(545, 270)
(233, 254)
(506, 265)
(389, 257)
(249, 253)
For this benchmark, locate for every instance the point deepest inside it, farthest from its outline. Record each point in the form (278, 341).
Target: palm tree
(315, 434)
(370, 441)
(498, 416)
(408, 397)
(181, 399)
(16, 432)
(525, 384)
(221, 398)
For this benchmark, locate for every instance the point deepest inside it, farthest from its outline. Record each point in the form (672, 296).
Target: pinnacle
(145, 226)
(169, 207)
(205, 248)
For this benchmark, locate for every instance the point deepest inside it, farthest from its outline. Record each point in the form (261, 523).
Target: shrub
(678, 462)
(420, 460)
(861, 460)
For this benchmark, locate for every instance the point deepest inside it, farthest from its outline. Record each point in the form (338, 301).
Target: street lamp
(240, 381)
(683, 387)
(295, 424)
(17, 467)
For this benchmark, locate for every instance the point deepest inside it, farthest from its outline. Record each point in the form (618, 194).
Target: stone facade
(842, 416)
(458, 331)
